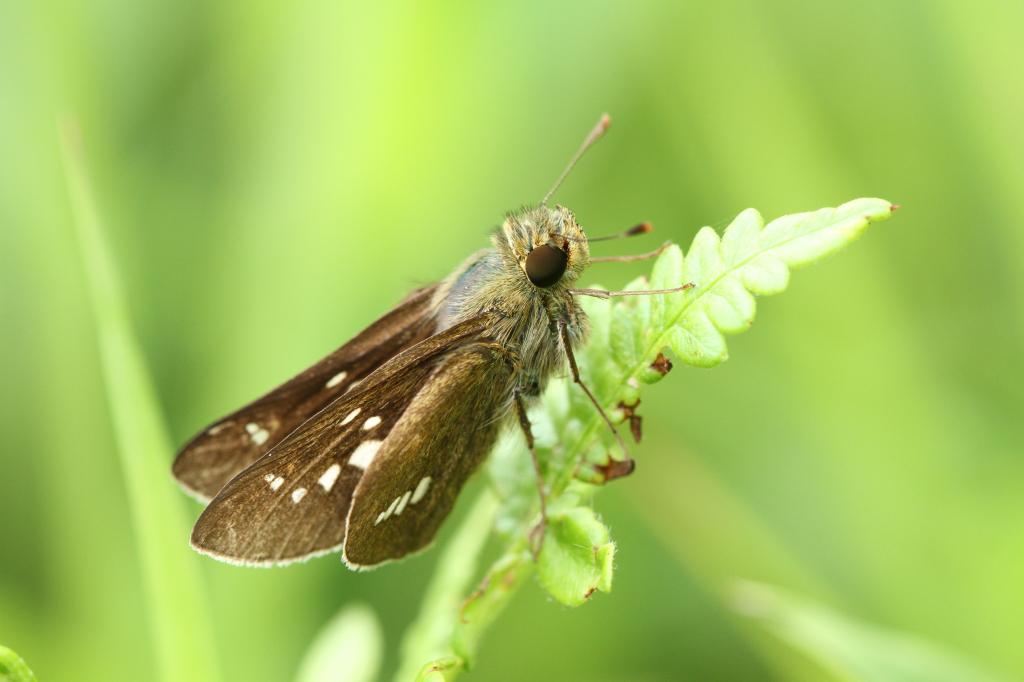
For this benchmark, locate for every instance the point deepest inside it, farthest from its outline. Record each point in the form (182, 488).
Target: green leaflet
(697, 341)
(668, 272)
(577, 557)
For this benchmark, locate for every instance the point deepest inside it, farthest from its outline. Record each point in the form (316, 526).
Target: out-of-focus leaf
(850, 650)
(347, 649)
(13, 668)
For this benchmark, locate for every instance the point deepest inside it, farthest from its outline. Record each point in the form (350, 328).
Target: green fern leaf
(749, 259)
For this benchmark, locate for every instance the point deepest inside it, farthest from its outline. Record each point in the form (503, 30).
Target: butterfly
(366, 451)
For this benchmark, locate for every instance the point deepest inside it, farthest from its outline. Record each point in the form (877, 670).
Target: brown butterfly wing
(231, 444)
(411, 484)
(292, 503)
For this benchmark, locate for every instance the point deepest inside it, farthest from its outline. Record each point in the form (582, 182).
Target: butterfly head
(547, 243)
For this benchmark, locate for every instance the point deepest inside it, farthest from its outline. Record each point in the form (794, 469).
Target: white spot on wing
(268, 478)
(386, 514)
(298, 494)
(328, 478)
(350, 416)
(336, 379)
(371, 422)
(353, 385)
(214, 430)
(421, 489)
(403, 501)
(276, 483)
(399, 504)
(365, 453)
(258, 434)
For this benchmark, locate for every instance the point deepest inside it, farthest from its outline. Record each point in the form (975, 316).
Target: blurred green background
(273, 176)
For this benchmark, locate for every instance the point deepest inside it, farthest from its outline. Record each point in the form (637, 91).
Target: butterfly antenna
(588, 141)
(642, 228)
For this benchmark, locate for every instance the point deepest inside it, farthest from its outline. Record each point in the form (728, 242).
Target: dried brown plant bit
(635, 420)
(662, 365)
(615, 468)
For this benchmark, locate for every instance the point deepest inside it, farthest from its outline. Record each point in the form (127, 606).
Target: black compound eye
(546, 264)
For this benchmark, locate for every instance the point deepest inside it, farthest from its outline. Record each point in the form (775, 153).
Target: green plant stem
(430, 636)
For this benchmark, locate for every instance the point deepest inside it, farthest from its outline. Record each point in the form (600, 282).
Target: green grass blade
(181, 629)
(850, 650)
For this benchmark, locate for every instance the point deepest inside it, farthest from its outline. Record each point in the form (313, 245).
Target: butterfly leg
(601, 293)
(537, 532)
(563, 332)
